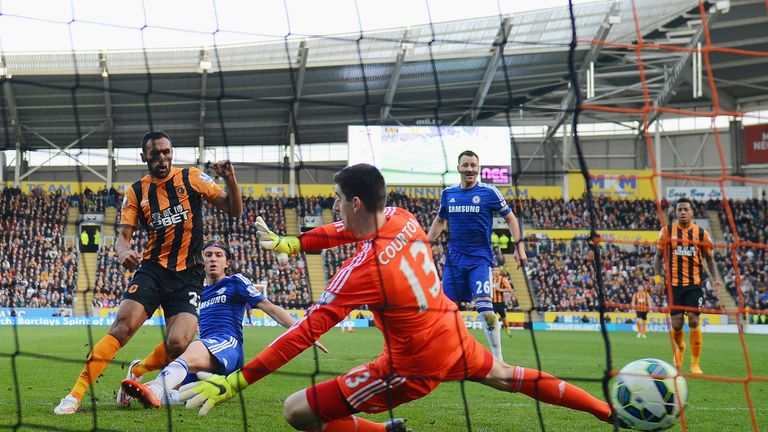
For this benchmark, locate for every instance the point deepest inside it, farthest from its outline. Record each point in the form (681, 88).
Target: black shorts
(691, 296)
(642, 315)
(154, 285)
(500, 308)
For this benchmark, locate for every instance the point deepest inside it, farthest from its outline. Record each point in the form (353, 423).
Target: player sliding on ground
(425, 339)
(220, 347)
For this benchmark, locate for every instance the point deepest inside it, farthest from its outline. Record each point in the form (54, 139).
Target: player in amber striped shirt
(684, 246)
(501, 287)
(167, 204)
(640, 302)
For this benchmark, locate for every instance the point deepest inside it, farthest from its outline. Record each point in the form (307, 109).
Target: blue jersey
(470, 219)
(222, 307)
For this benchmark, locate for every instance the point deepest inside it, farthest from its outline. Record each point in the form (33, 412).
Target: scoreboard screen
(427, 155)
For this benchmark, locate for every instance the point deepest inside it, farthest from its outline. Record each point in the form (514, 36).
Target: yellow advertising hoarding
(524, 192)
(654, 318)
(608, 235)
(621, 184)
(256, 190)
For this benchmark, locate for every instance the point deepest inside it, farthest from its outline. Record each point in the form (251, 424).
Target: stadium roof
(455, 71)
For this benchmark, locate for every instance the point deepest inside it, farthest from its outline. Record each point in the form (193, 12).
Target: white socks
(493, 332)
(170, 377)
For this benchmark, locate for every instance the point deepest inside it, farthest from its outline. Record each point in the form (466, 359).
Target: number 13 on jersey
(423, 279)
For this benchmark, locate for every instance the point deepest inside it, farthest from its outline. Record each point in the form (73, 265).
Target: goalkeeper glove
(211, 390)
(281, 244)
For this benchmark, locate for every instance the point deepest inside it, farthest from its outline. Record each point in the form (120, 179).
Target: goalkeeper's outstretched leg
(545, 388)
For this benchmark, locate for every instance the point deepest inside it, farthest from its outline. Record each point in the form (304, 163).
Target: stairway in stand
(327, 216)
(110, 219)
(729, 303)
(316, 273)
(86, 280)
(73, 217)
(522, 290)
(291, 221)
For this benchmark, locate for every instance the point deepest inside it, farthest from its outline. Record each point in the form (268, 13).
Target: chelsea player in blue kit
(467, 209)
(220, 347)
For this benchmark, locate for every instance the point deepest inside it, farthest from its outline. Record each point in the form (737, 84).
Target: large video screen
(427, 155)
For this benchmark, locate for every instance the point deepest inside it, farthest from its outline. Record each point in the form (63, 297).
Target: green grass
(713, 406)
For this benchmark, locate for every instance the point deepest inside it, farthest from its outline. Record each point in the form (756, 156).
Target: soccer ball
(647, 394)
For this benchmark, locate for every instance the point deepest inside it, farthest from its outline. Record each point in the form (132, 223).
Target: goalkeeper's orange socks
(547, 388)
(353, 424)
(101, 355)
(157, 359)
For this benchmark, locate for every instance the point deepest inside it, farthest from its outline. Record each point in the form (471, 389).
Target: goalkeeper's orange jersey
(393, 273)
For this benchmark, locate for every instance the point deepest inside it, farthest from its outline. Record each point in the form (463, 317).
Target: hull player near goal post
(684, 246)
(425, 339)
(220, 348)
(168, 204)
(467, 210)
(641, 300)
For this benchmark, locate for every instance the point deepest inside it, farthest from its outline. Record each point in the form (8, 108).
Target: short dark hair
(365, 182)
(153, 135)
(467, 153)
(683, 201)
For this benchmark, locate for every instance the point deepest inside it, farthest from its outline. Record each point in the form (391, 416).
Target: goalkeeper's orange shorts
(365, 388)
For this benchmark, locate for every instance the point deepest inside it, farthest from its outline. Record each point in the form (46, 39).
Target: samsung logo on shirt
(213, 301)
(463, 209)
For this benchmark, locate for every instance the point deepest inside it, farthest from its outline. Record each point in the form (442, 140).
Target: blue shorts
(465, 283)
(227, 350)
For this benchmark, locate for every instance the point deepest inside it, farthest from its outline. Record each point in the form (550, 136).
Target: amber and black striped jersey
(641, 301)
(170, 209)
(500, 286)
(683, 251)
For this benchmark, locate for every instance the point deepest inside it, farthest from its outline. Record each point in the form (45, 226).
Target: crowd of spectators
(36, 269)
(95, 202)
(574, 214)
(750, 218)
(563, 278)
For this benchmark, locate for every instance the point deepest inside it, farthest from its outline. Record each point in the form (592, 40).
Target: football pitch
(51, 359)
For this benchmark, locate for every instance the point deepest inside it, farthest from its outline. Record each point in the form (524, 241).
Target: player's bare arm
(283, 318)
(437, 228)
(229, 201)
(717, 281)
(517, 235)
(129, 258)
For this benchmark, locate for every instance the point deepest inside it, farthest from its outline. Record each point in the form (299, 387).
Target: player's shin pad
(211, 390)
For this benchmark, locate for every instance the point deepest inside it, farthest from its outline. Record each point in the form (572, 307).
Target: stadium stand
(36, 268)
(562, 276)
(51, 280)
(573, 214)
(751, 220)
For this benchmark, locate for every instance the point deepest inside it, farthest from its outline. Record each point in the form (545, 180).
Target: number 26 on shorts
(483, 289)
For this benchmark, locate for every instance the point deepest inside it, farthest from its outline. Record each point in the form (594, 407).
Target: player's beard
(468, 173)
(158, 170)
